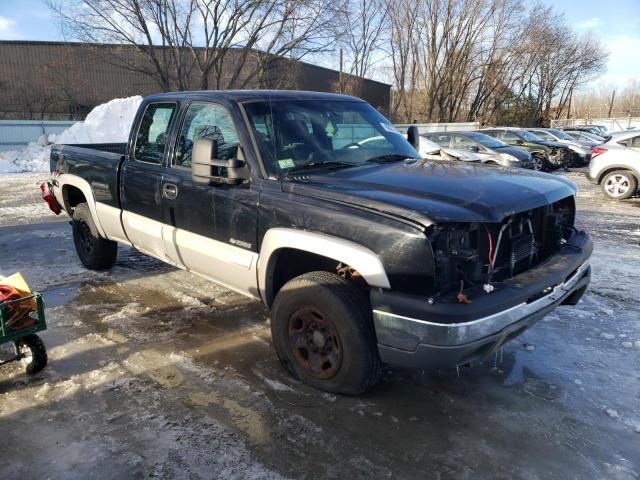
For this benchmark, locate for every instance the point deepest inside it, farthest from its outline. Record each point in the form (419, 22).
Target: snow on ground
(157, 372)
(107, 123)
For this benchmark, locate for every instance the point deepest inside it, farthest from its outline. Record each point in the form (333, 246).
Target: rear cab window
(153, 132)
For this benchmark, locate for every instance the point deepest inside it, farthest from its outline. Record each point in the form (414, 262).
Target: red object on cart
(17, 313)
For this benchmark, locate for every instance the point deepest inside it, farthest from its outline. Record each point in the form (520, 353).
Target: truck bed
(97, 163)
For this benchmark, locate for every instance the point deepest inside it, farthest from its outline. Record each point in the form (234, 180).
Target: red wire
(490, 245)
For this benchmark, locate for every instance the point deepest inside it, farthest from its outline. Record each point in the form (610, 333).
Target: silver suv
(616, 165)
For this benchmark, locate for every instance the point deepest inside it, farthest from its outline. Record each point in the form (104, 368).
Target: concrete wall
(18, 133)
(441, 127)
(58, 80)
(612, 124)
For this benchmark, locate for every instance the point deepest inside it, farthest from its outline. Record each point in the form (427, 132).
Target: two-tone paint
(249, 236)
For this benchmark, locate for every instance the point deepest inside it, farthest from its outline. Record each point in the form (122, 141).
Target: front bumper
(412, 332)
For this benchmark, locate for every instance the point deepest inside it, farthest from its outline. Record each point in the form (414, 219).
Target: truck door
(215, 225)
(141, 186)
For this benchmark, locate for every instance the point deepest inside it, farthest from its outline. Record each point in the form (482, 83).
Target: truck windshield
(292, 135)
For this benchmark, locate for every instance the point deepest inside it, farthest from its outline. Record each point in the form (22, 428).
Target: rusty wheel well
(72, 197)
(288, 263)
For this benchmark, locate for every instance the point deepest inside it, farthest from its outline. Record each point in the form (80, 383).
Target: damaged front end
(491, 282)
(480, 254)
(560, 157)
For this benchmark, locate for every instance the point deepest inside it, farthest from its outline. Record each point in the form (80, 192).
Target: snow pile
(107, 123)
(32, 158)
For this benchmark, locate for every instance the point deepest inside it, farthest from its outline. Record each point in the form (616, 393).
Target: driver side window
(206, 120)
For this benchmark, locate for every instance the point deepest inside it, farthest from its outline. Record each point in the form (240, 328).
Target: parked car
(363, 254)
(615, 165)
(551, 155)
(581, 149)
(490, 150)
(584, 136)
(600, 130)
(433, 151)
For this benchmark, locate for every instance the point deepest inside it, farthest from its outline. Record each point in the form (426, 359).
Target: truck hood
(431, 192)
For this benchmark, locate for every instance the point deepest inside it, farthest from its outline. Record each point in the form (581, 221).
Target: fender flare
(85, 188)
(615, 166)
(366, 262)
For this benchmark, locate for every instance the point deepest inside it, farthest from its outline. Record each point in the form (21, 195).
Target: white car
(616, 165)
(431, 150)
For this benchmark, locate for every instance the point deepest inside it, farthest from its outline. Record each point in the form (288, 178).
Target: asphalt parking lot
(155, 372)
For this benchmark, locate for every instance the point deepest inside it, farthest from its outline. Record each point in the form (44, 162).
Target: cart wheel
(33, 352)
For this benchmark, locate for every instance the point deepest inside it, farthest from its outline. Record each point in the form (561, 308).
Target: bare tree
(203, 43)
(478, 59)
(365, 22)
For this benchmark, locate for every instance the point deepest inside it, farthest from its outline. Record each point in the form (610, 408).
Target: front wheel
(539, 163)
(33, 353)
(619, 185)
(95, 252)
(323, 333)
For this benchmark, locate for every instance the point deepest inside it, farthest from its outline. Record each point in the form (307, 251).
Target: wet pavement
(155, 372)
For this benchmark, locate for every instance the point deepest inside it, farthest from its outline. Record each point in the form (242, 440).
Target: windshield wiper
(392, 157)
(323, 164)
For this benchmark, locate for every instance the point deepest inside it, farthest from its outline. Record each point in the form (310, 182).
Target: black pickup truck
(316, 205)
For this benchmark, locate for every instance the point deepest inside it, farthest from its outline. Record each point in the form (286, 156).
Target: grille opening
(469, 255)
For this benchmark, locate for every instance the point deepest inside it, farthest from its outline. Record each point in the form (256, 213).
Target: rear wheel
(619, 185)
(323, 333)
(95, 252)
(33, 353)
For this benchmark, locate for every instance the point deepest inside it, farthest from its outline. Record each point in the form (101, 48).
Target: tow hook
(48, 197)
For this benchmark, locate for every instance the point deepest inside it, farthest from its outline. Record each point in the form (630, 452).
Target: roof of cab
(252, 95)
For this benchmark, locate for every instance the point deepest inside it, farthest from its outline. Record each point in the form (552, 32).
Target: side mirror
(206, 168)
(413, 136)
(474, 148)
(519, 142)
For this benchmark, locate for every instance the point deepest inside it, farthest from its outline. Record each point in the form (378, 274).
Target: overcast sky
(616, 22)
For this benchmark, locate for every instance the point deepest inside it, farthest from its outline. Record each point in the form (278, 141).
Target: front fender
(366, 262)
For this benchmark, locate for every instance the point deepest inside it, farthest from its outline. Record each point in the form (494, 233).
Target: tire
(34, 351)
(619, 184)
(95, 252)
(323, 333)
(539, 163)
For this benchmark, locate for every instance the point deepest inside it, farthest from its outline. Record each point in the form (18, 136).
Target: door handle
(170, 191)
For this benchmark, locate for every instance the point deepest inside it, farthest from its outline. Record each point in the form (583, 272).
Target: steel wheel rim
(86, 238)
(26, 354)
(617, 185)
(315, 343)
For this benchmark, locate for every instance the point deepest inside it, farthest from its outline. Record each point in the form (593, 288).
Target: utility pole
(340, 77)
(613, 96)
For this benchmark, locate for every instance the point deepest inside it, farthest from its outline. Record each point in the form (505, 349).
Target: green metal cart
(21, 331)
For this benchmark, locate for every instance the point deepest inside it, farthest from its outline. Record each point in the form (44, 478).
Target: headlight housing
(509, 158)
